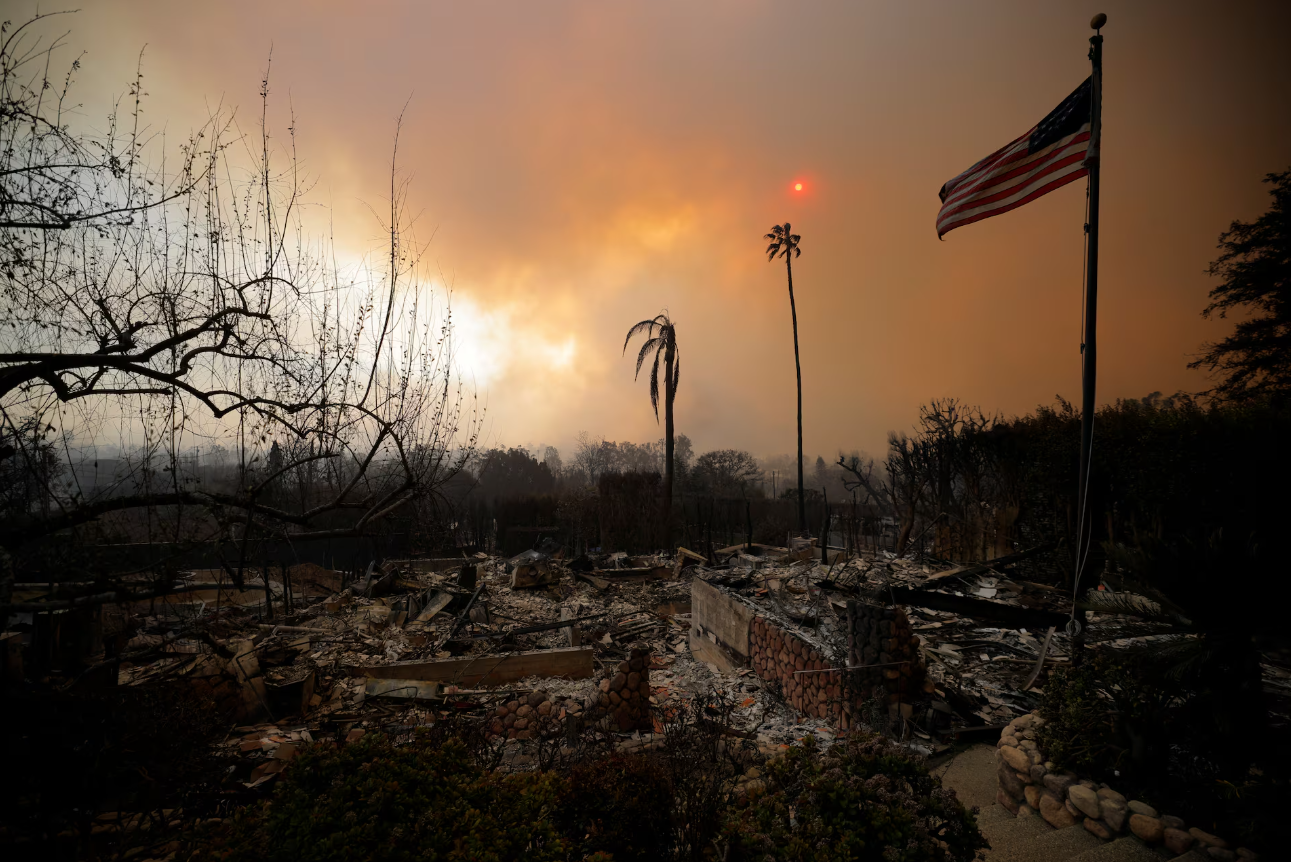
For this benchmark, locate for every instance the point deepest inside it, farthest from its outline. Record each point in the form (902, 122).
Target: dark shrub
(865, 799)
(373, 801)
(1128, 720)
(619, 804)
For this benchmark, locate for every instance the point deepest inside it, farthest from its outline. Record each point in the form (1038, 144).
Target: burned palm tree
(661, 342)
(785, 244)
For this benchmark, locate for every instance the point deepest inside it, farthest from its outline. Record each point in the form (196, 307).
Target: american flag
(1047, 157)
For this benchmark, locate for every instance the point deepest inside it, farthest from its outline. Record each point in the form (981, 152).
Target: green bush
(1127, 720)
(620, 804)
(1108, 719)
(865, 799)
(373, 801)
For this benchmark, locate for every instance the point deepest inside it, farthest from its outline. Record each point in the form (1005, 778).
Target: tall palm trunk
(793, 310)
(668, 448)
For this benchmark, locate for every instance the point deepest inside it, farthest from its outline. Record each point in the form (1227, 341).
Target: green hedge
(373, 801)
(428, 800)
(865, 799)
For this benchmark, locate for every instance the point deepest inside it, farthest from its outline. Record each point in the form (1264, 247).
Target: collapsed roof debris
(410, 642)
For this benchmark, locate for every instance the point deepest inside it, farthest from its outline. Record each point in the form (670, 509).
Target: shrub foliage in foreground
(373, 801)
(864, 799)
(429, 800)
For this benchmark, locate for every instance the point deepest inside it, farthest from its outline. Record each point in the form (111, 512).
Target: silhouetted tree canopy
(513, 473)
(1256, 270)
(728, 473)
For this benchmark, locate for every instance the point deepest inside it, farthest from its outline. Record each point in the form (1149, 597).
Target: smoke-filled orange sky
(583, 165)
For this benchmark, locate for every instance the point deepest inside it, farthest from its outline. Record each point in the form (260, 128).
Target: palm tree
(785, 244)
(661, 340)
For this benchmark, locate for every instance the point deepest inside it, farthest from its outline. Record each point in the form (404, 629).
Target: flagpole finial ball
(1098, 21)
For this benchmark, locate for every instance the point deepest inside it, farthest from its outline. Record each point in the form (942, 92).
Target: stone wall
(802, 670)
(1029, 785)
(882, 644)
(537, 714)
(729, 632)
(620, 702)
(624, 698)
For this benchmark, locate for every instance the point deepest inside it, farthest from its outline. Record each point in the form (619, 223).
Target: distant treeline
(963, 485)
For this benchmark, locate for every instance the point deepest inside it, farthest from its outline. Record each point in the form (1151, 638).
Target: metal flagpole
(1089, 344)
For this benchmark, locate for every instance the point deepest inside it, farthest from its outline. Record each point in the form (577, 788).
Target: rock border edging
(1030, 785)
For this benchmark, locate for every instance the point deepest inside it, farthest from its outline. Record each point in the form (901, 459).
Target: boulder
(1147, 828)
(1172, 822)
(1221, 854)
(1085, 799)
(1114, 814)
(1009, 781)
(1055, 812)
(1177, 841)
(1009, 803)
(1025, 810)
(1097, 827)
(1016, 759)
(1038, 773)
(1206, 839)
(1076, 813)
(1059, 783)
(1033, 795)
(1109, 793)
(1137, 807)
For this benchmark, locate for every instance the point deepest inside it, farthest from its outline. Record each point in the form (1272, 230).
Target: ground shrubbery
(1127, 720)
(619, 804)
(137, 748)
(373, 801)
(863, 799)
(430, 800)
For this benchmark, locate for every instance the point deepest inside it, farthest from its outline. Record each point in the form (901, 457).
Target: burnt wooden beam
(490, 670)
(1010, 616)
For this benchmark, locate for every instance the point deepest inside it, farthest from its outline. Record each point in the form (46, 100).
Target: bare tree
(180, 302)
(945, 475)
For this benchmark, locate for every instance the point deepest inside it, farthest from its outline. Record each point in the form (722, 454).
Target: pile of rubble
(532, 644)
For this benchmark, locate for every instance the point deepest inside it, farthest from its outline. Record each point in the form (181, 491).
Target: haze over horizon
(581, 167)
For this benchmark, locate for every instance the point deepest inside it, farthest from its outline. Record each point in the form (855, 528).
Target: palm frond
(676, 369)
(1175, 657)
(654, 386)
(1131, 605)
(797, 252)
(646, 326)
(785, 228)
(650, 344)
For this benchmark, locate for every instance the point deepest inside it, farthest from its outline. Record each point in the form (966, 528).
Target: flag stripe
(1019, 149)
(1049, 166)
(1043, 190)
(1000, 175)
(1023, 169)
(1025, 194)
(958, 181)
